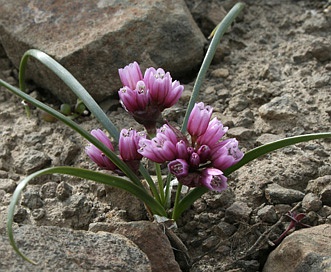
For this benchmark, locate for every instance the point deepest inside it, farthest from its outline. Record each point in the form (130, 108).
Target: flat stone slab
(61, 249)
(94, 38)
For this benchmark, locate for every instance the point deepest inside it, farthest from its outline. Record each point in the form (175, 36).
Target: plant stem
(176, 213)
(160, 182)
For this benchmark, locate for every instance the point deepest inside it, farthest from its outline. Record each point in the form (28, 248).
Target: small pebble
(311, 202)
(220, 73)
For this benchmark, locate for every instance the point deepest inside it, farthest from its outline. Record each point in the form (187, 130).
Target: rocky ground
(270, 79)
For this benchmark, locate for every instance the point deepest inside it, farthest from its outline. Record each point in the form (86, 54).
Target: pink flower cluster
(128, 146)
(200, 160)
(145, 97)
(195, 161)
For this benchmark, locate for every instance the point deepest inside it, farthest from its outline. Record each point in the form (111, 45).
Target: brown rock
(67, 250)
(238, 212)
(276, 194)
(304, 250)
(93, 39)
(150, 239)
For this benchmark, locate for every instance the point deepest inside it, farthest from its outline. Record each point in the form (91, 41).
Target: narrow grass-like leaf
(251, 155)
(219, 32)
(150, 182)
(114, 181)
(111, 155)
(264, 149)
(71, 82)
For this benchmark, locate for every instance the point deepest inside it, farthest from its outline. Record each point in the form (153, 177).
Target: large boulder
(92, 39)
(305, 250)
(61, 249)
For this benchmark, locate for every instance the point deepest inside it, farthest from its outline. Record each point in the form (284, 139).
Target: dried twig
(265, 235)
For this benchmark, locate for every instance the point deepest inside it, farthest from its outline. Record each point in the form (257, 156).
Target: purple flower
(182, 150)
(163, 91)
(179, 168)
(213, 179)
(129, 144)
(204, 153)
(226, 154)
(128, 149)
(146, 97)
(96, 154)
(199, 119)
(136, 99)
(161, 148)
(198, 161)
(214, 132)
(194, 160)
(130, 75)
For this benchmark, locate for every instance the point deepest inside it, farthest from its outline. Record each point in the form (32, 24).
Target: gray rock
(69, 154)
(276, 194)
(3, 174)
(221, 200)
(320, 80)
(48, 190)
(268, 214)
(38, 214)
(79, 211)
(93, 39)
(267, 138)
(240, 133)
(209, 243)
(207, 13)
(123, 200)
(238, 212)
(63, 191)
(150, 238)
(238, 103)
(279, 108)
(33, 139)
(311, 202)
(220, 73)
(32, 200)
(224, 229)
(326, 195)
(317, 185)
(325, 211)
(8, 185)
(320, 49)
(68, 250)
(20, 215)
(31, 161)
(304, 250)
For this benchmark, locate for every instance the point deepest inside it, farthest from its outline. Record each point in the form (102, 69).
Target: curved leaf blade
(106, 179)
(69, 122)
(71, 82)
(251, 155)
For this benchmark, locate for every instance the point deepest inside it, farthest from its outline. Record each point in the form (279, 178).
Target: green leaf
(111, 155)
(71, 82)
(219, 32)
(251, 155)
(267, 148)
(114, 181)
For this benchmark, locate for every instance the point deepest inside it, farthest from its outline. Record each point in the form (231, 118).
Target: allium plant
(145, 97)
(198, 155)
